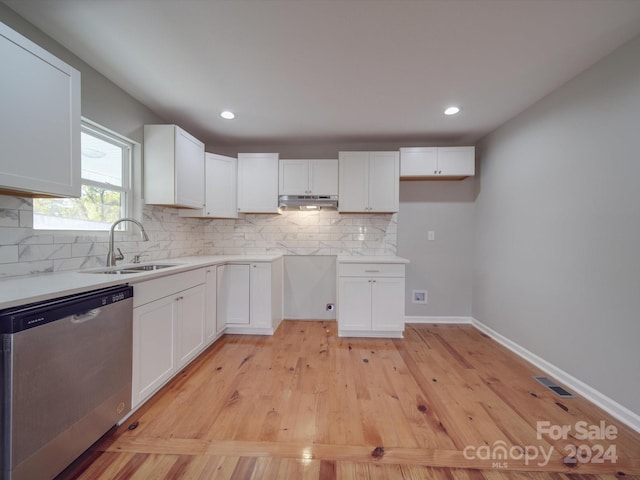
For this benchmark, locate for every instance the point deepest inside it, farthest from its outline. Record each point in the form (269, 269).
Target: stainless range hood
(307, 202)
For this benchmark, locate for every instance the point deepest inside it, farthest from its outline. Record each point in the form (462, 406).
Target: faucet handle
(119, 255)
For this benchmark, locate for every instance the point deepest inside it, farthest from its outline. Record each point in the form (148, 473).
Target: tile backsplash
(24, 250)
(324, 232)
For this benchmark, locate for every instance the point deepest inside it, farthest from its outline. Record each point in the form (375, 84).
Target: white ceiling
(337, 70)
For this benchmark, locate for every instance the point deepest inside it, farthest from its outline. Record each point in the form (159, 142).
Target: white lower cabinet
(168, 329)
(177, 316)
(370, 300)
(260, 295)
(154, 359)
(233, 294)
(190, 320)
(250, 297)
(213, 327)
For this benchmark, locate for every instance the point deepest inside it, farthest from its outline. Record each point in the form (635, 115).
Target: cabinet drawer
(145, 292)
(370, 270)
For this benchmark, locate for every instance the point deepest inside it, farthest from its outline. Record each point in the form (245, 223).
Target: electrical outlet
(419, 296)
(431, 235)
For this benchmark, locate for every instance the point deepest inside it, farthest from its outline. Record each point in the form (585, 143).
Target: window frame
(127, 189)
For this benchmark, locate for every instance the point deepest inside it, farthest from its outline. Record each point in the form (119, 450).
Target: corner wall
(557, 234)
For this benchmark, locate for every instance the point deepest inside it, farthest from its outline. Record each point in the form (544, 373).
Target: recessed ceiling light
(451, 110)
(227, 115)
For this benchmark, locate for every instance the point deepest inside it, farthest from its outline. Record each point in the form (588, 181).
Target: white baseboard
(457, 320)
(609, 405)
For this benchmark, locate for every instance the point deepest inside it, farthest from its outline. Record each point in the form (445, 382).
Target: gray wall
(557, 243)
(442, 266)
(309, 285)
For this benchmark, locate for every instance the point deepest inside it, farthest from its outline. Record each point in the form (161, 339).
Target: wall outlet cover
(419, 296)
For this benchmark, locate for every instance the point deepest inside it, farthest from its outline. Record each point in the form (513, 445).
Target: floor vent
(554, 387)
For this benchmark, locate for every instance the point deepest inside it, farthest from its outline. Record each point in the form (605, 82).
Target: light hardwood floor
(308, 404)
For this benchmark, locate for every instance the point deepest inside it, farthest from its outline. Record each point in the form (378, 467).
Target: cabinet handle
(179, 298)
(373, 281)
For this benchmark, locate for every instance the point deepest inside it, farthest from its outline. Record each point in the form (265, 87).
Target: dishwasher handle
(86, 316)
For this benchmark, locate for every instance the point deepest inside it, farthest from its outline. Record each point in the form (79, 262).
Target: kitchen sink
(133, 269)
(110, 272)
(151, 266)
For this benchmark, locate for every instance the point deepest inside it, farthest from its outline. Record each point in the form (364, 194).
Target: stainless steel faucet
(112, 256)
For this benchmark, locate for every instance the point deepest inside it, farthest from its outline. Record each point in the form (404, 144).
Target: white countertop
(371, 259)
(16, 291)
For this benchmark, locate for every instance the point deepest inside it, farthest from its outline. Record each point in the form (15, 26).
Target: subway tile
(28, 253)
(25, 218)
(26, 268)
(8, 254)
(15, 203)
(9, 217)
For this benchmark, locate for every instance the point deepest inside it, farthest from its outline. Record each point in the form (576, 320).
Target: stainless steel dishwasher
(66, 378)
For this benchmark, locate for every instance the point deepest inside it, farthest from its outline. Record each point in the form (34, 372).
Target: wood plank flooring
(445, 402)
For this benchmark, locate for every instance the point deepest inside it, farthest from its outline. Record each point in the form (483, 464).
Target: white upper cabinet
(220, 190)
(417, 163)
(258, 183)
(39, 120)
(369, 182)
(173, 167)
(309, 177)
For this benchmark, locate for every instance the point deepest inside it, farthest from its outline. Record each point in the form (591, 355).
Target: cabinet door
(153, 347)
(233, 294)
(323, 177)
(418, 161)
(211, 327)
(190, 323)
(456, 161)
(354, 303)
(221, 186)
(189, 165)
(353, 182)
(260, 301)
(40, 120)
(384, 182)
(294, 177)
(221, 177)
(387, 304)
(258, 182)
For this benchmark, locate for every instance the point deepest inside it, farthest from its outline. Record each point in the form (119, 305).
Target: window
(106, 186)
